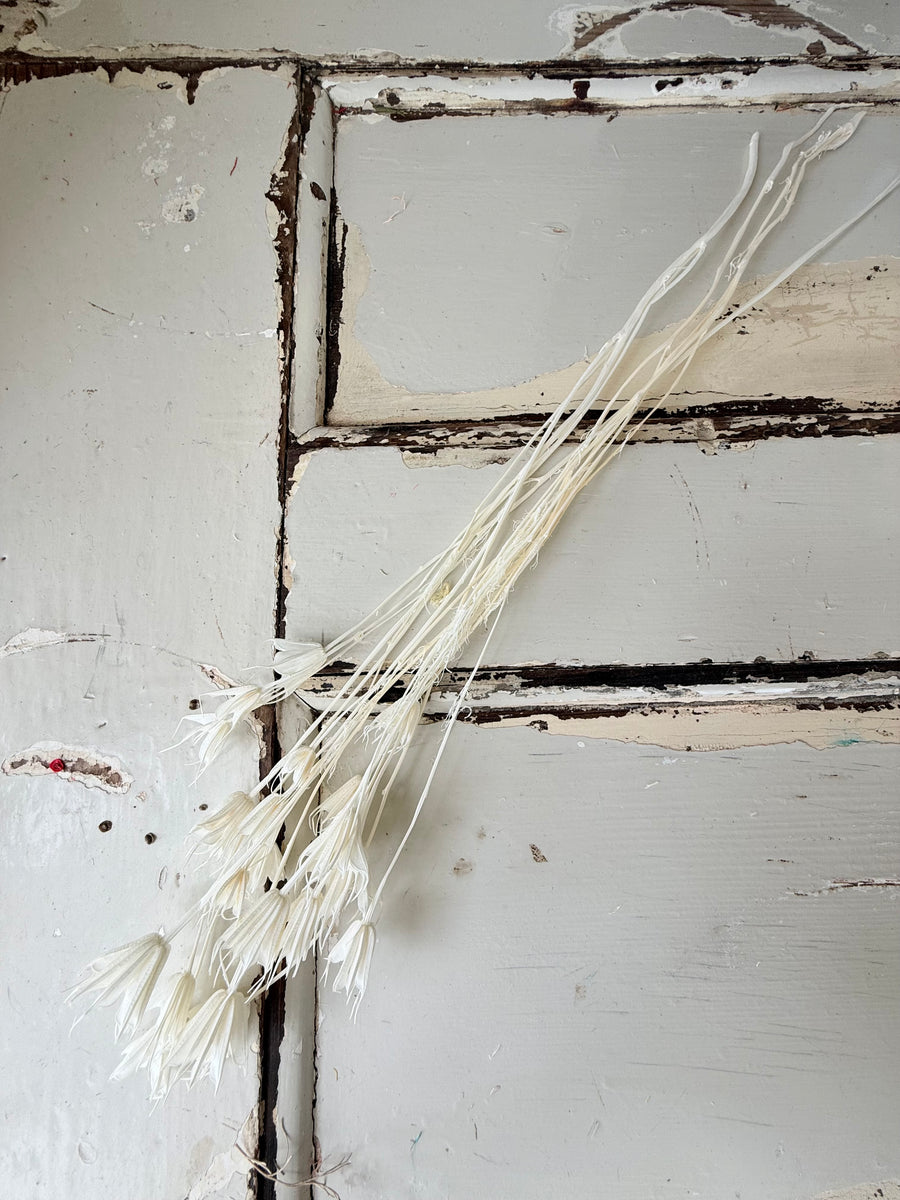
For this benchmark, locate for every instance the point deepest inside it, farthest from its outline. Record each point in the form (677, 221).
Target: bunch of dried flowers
(277, 897)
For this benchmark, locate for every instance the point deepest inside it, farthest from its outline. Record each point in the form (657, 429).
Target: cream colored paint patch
(228, 1163)
(830, 331)
(721, 727)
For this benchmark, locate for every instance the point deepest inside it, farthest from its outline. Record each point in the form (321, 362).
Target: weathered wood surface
(610, 970)
(542, 235)
(635, 969)
(140, 361)
(670, 555)
(644, 29)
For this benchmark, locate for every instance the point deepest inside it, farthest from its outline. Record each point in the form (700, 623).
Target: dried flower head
(354, 954)
(127, 975)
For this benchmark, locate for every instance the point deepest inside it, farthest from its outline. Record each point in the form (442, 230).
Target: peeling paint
(72, 764)
(553, 91)
(20, 19)
(182, 76)
(828, 331)
(38, 639)
(454, 456)
(827, 706)
(708, 727)
(219, 678)
(599, 30)
(225, 1165)
(439, 96)
(182, 203)
(888, 1190)
(731, 425)
(42, 639)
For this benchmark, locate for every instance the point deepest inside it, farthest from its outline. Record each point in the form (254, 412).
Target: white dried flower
(260, 829)
(221, 833)
(296, 770)
(128, 975)
(354, 953)
(301, 930)
(296, 663)
(218, 1029)
(255, 939)
(213, 729)
(152, 1049)
(231, 893)
(336, 850)
(395, 726)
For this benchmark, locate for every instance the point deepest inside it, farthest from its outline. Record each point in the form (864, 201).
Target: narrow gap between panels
(611, 108)
(282, 194)
(19, 67)
(657, 676)
(719, 422)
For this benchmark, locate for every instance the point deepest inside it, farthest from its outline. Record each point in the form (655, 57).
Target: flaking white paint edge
(234, 1161)
(37, 639)
(42, 639)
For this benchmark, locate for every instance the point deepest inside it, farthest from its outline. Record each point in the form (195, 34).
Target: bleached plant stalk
(273, 901)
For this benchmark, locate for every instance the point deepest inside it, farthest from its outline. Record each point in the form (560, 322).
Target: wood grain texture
(614, 970)
(139, 444)
(671, 555)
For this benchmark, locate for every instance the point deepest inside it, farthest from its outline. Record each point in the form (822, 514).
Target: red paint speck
(57, 765)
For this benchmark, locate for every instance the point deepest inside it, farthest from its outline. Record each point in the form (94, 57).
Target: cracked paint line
(72, 764)
(38, 639)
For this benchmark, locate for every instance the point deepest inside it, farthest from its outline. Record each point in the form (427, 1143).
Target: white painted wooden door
(275, 318)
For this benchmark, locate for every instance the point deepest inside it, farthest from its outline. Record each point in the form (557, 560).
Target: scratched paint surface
(140, 419)
(621, 971)
(539, 267)
(516, 31)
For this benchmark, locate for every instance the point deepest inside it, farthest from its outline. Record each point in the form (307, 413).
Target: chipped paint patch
(455, 456)
(589, 30)
(20, 19)
(182, 203)
(219, 678)
(233, 1161)
(426, 96)
(888, 1190)
(73, 764)
(827, 331)
(707, 727)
